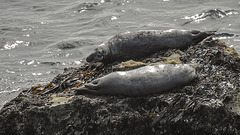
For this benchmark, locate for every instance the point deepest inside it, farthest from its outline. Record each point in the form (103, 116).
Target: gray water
(39, 38)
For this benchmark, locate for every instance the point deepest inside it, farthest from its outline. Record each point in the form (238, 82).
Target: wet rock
(70, 44)
(209, 105)
(66, 45)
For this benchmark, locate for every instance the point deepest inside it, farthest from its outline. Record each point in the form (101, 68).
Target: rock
(209, 105)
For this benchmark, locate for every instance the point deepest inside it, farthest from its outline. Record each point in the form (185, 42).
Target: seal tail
(210, 33)
(198, 36)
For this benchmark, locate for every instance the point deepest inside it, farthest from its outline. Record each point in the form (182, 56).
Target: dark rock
(70, 44)
(209, 105)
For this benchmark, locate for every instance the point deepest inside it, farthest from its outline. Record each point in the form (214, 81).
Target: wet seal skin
(151, 79)
(140, 44)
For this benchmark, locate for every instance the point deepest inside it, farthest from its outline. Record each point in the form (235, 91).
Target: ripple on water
(86, 6)
(215, 14)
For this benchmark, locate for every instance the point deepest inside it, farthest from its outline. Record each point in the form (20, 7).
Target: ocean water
(39, 38)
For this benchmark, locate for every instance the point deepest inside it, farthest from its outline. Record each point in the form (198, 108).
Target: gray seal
(151, 79)
(132, 45)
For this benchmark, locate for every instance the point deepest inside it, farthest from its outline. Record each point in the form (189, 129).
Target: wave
(215, 14)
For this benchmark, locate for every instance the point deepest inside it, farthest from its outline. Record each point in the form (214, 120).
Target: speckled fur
(152, 79)
(139, 44)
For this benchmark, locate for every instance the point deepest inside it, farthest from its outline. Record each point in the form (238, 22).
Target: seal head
(99, 54)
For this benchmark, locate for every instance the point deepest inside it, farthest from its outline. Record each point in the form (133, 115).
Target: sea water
(39, 38)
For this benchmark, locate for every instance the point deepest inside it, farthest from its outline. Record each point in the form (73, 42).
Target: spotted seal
(132, 45)
(151, 79)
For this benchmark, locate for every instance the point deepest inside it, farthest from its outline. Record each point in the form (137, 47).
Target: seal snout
(95, 57)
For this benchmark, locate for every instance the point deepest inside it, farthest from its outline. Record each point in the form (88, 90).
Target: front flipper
(89, 88)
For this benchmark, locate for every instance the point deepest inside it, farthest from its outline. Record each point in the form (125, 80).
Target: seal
(132, 45)
(147, 80)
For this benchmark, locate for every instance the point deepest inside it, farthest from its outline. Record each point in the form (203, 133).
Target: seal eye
(195, 32)
(99, 57)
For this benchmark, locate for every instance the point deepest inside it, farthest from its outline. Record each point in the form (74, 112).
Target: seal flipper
(86, 89)
(89, 88)
(198, 36)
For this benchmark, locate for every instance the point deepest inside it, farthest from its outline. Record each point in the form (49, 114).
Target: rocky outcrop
(209, 105)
